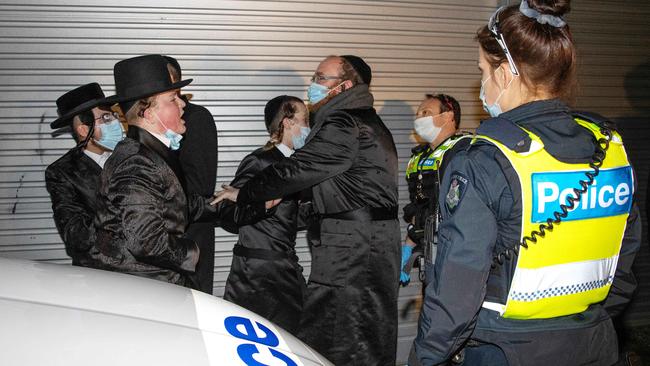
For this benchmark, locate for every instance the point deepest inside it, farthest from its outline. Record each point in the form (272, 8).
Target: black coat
(72, 182)
(143, 212)
(350, 162)
(273, 287)
(198, 159)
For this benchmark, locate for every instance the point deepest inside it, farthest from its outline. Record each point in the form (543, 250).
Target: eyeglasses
(318, 78)
(493, 26)
(107, 117)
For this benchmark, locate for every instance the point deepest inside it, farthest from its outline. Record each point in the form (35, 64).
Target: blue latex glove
(404, 277)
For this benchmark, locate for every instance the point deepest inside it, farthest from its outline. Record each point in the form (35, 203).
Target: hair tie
(553, 20)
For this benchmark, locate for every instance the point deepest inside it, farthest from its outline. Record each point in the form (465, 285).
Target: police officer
(437, 121)
(539, 230)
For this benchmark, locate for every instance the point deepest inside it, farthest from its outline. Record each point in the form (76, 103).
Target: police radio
(602, 144)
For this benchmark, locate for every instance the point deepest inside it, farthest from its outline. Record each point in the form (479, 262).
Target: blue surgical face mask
(495, 109)
(174, 138)
(299, 141)
(317, 92)
(112, 133)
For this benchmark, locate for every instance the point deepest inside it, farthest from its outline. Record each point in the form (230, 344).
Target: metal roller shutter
(241, 54)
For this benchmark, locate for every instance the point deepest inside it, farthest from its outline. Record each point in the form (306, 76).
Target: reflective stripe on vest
(573, 266)
(434, 160)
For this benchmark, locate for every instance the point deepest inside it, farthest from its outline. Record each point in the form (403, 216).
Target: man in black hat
(73, 179)
(143, 209)
(350, 164)
(198, 159)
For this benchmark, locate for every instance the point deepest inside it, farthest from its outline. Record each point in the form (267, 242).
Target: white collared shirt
(285, 150)
(100, 159)
(167, 142)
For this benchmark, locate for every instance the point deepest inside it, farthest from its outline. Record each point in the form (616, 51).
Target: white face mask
(425, 128)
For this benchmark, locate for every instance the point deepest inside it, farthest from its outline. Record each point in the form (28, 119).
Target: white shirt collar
(167, 142)
(285, 150)
(100, 159)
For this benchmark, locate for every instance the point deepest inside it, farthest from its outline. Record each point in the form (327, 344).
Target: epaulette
(506, 132)
(594, 118)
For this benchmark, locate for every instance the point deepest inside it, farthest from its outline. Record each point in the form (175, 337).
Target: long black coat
(350, 161)
(198, 159)
(273, 288)
(72, 182)
(142, 212)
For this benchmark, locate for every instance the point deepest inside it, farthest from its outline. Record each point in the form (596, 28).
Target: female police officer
(539, 229)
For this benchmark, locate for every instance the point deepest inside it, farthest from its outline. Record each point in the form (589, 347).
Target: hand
(405, 278)
(229, 193)
(272, 203)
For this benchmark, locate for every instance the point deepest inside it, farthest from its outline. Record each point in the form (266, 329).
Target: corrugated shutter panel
(240, 54)
(614, 76)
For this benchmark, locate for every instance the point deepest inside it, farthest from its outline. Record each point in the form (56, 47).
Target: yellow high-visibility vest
(433, 161)
(574, 265)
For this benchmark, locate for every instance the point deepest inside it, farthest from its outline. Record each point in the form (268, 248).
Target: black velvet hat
(79, 100)
(360, 66)
(140, 77)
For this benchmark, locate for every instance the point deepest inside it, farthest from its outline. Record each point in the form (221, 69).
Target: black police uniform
(265, 276)
(423, 173)
(487, 219)
(350, 163)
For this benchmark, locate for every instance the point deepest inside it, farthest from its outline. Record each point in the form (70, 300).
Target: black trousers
(350, 313)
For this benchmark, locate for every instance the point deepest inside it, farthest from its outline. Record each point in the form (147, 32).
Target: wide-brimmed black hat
(79, 100)
(141, 77)
(360, 66)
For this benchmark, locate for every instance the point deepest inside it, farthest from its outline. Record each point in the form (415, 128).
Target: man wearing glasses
(349, 163)
(73, 179)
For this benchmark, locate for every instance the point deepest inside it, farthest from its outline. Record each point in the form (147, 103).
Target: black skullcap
(360, 66)
(271, 110)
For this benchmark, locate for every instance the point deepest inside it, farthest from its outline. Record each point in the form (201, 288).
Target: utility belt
(266, 254)
(364, 214)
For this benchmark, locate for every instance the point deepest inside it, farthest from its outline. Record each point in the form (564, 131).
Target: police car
(63, 315)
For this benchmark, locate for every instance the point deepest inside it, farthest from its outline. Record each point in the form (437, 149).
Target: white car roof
(65, 315)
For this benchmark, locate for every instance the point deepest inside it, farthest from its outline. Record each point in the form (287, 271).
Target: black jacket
(143, 211)
(349, 160)
(267, 279)
(72, 182)
(487, 219)
(277, 230)
(198, 159)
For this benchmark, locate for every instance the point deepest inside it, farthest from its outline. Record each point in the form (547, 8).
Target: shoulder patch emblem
(456, 190)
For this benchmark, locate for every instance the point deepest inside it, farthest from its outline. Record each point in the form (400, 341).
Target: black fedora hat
(141, 77)
(78, 100)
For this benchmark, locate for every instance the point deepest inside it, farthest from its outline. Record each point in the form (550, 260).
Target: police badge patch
(455, 191)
